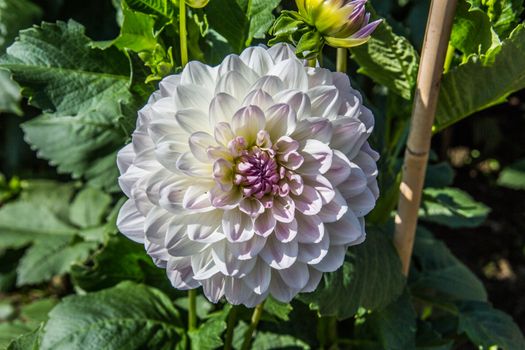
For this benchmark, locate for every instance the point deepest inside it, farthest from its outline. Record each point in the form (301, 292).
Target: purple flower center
(257, 173)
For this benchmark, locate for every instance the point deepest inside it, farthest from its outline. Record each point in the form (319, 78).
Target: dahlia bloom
(342, 23)
(251, 178)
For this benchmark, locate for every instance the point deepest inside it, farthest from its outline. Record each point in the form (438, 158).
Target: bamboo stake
(435, 45)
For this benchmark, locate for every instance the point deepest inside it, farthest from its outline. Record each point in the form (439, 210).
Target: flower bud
(342, 23)
(197, 4)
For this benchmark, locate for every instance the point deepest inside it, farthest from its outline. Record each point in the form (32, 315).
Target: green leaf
(15, 15)
(82, 91)
(395, 325)
(10, 331)
(436, 271)
(163, 8)
(27, 341)
(119, 260)
(51, 257)
(487, 327)
(37, 311)
(137, 32)
(499, 72)
(370, 278)
(513, 176)
(504, 14)
(22, 222)
(390, 60)
(128, 316)
(56, 196)
(452, 207)
(208, 335)
(235, 29)
(439, 175)
(89, 207)
(280, 311)
(275, 341)
(10, 97)
(261, 17)
(471, 32)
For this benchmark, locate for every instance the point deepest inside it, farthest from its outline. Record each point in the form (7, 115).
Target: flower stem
(341, 60)
(256, 317)
(183, 33)
(312, 62)
(448, 58)
(232, 319)
(192, 308)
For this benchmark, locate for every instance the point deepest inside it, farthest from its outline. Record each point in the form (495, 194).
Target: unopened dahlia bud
(342, 23)
(251, 178)
(338, 23)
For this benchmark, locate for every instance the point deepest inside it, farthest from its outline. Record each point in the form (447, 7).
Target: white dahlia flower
(251, 178)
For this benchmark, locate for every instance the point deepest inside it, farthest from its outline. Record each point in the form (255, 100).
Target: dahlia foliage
(251, 178)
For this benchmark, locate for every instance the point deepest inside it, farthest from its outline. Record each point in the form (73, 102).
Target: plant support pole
(439, 26)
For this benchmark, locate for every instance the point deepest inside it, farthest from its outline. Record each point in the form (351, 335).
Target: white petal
(199, 143)
(296, 276)
(128, 180)
(125, 158)
(279, 255)
(199, 74)
(172, 193)
(309, 202)
(225, 199)
(248, 249)
(280, 120)
(321, 185)
(313, 128)
(317, 157)
(168, 152)
(180, 273)
(264, 223)
(237, 226)
(222, 108)
(286, 232)
(192, 96)
(131, 222)
(233, 63)
(334, 210)
(167, 130)
(318, 77)
(247, 122)
(203, 265)
(168, 84)
(348, 137)
(299, 101)
(280, 290)
(259, 278)
(363, 203)
(325, 101)
(333, 260)
(213, 288)
(156, 225)
(236, 291)
(340, 169)
(177, 242)
(268, 83)
(313, 282)
(197, 198)
(283, 209)
(234, 84)
(310, 229)
(258, 98)
(192, 167)
(192, 120)
(345, 231)
(223, 133)
(280, 52)
(228, 264)
(257, 59)
(354, 184)
(203, 227)
(251, 206)
(313, 253)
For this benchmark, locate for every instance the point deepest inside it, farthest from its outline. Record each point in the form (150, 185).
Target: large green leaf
(452, 207)
(370, 278)
(390, 60)
(268, 340)
(487, 327)
(89, 207)
(436, 271)
(137, 32)
(10, 96)
(27, 341)
(471, 32)
(235, 28)
(504, 14)
(395, 325)
(208, 335)
(498, 72)
(51, 257)
(120, 259)
(513, 176)
(129, 316)
(261, 17)
(163, 8)
(81, 90)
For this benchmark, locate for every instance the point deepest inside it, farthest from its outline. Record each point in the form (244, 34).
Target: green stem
(341, 60)
(312, 62)
(183, 33)
(192, 308)
(256, 317)
(232, 320)
(448, 58)
(327, 332)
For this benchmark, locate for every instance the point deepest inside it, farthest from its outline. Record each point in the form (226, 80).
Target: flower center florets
(257, 173)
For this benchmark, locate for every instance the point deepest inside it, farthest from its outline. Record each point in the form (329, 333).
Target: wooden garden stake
(435, 45)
